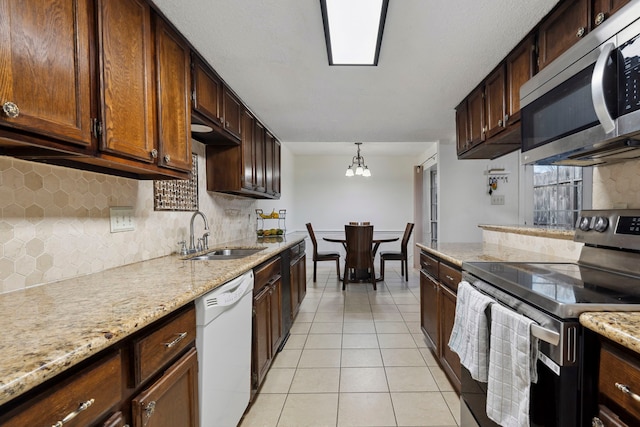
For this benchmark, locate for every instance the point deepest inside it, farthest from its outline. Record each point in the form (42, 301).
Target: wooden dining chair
(322, 256)
(401, 256)
(359, 252)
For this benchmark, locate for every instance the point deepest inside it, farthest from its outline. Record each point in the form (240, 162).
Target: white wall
(328, 199)
(464, 201)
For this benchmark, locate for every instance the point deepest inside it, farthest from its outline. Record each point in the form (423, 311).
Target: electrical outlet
(497, 199)
(122, 219)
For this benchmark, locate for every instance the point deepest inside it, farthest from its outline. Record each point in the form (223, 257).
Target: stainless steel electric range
(605, 278)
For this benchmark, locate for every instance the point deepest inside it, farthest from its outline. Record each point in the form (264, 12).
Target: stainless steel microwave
(583, 109)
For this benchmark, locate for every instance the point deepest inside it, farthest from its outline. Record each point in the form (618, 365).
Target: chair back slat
(312, 236)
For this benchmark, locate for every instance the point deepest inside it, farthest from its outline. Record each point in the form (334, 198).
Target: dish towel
(470, 335)
(512, 367)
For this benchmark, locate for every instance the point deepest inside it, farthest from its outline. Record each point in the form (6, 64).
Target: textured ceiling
(434, 52)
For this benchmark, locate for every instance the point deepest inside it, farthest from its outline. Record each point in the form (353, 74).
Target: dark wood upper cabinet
(268, 161)
(276, 177)
(173, 65)
(476, 116)
(232, 108)
(462, 127)
(45, 68)
(603, 9)
(562, 29)
(207, 92)
(248, 160)
(128, 92)
(259, 156)
(494, 92)
(519, 69)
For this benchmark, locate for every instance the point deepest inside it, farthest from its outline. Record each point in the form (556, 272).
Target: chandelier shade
(357, 166)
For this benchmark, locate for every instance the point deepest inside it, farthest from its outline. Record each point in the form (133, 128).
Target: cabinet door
(126, 64)
(519, 69)
(294, 273)
(173, 399)
(449, 359)
(476, 117)
(302, 278)
(261, 357)
(45, 67)
(495, 89)
(275, 179)
(232, 113)
(207, 92)
(173, 66)
(275, 309)
(429, 308)
(259, 156)
(248, 160)
(268, 162)
(561, 30)
(462, 127)
(115, 420)
(603, 9)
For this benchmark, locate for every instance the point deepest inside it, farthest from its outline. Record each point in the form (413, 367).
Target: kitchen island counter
(52, 327)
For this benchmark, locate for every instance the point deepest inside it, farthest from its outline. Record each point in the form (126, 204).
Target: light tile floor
(356, 358)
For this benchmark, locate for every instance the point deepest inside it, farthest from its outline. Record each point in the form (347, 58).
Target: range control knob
(600, 224)
(584, 223)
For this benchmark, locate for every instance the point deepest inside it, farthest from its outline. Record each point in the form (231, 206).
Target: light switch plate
(497, 199)
(122, 219)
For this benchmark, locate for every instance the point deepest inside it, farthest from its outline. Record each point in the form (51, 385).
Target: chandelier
(357, 166)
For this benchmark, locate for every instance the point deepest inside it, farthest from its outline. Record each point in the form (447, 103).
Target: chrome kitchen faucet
(203, 242)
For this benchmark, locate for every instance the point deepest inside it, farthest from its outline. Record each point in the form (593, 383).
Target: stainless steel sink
(227, 254)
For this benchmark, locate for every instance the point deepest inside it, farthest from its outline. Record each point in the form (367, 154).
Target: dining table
(363, 274)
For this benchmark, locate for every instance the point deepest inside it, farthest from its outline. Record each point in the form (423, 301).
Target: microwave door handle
(597, 89)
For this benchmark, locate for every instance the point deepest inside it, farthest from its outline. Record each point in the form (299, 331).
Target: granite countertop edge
(527, 230)
(620, 327)
(57, 325)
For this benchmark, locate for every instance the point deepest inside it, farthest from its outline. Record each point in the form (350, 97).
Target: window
(558, 194)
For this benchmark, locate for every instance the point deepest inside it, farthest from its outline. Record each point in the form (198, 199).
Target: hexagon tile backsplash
(54, 222)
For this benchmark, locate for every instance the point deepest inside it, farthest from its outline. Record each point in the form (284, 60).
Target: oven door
(555, 399)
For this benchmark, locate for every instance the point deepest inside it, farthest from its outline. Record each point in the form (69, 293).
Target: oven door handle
(546, 335)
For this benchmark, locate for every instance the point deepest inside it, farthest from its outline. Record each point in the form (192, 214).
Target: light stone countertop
(457, 253)
(623, 328)
(538, 231)
(50, 328)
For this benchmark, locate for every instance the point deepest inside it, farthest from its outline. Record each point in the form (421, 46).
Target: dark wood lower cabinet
(173, 399)
(438, 284)
(104, 391)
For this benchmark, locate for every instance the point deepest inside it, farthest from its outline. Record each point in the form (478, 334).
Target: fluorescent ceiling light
(353, 30)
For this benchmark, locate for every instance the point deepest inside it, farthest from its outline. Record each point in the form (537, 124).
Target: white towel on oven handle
(470, 335)
(512, 367)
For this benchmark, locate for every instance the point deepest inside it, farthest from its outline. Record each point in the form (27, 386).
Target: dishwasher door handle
(225, 299)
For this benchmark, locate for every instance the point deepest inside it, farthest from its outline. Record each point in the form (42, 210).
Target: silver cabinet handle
(150, 408)
(154, 154)
(11, 110)
(499, 122)
(599, 18)
(626, 390)
(179, 338)
(580, 32)
(167, 158)
(449, 277)
(83, 407)
(596, 422)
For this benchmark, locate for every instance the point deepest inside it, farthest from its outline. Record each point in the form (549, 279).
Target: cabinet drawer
(100, 384)
(619, 368)
(265, 272)
(157, 348)
(429, 264)
(449, 276)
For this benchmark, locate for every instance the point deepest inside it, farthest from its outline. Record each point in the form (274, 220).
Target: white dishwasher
(223, 340)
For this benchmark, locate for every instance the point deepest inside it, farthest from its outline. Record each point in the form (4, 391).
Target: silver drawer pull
(449, 277)
(626, 390)
(83, 406)
(597, 422)
(179, 338)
